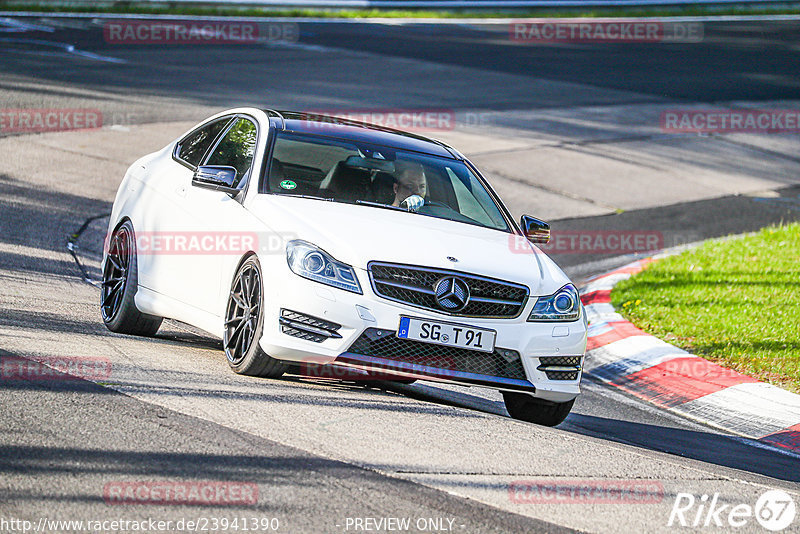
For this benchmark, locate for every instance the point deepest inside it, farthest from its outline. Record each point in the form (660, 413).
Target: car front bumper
(369, 316)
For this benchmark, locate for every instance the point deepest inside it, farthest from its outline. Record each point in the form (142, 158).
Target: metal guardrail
(456, 4)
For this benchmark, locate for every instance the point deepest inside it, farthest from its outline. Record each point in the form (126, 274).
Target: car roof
(350, 130)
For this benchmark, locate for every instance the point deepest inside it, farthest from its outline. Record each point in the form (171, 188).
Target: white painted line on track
(13, 25)
(70, 49)
(765, 446)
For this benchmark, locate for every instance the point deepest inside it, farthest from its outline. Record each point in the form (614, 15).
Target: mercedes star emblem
(452, 293)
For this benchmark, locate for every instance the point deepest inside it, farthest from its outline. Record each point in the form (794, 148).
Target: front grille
(414, 285)
(554, 367)
(307, 327)
(385, 344)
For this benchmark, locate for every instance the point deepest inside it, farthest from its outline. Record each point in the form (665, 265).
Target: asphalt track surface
(323, 452)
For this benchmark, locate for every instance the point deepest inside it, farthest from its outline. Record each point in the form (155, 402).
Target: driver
(411, 185)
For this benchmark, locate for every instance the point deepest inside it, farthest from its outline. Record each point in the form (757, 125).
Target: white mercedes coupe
(310, 240)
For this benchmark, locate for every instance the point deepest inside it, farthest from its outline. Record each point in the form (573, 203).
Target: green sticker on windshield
(288, 184)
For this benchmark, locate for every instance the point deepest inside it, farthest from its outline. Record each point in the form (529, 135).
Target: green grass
(735, 302)
(135, 8)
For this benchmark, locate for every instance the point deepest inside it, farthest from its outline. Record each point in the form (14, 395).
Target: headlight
(315, 264)
(563, 305)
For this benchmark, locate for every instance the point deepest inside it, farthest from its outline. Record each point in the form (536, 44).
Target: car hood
(358, 235)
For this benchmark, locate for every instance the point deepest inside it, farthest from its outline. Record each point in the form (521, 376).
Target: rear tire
(524, 407)
(120, 283)
(244, 325)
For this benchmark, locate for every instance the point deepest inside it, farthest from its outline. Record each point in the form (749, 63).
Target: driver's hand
(413, 203)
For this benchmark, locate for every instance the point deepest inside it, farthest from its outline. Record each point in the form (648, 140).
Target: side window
(194, 146)
(236, 149)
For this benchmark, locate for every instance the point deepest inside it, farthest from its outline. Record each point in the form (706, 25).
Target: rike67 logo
(775, 511)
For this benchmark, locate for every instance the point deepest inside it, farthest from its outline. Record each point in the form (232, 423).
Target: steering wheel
(437, 203)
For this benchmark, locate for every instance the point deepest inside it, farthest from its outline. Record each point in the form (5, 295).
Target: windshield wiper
(379, 205)
(329, 199)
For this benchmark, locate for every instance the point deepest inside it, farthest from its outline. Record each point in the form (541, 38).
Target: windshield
(344, 171)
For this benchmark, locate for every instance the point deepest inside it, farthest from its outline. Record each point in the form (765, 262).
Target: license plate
(449, 334)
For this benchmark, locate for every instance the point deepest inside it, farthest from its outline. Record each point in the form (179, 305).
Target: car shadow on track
(704, 446)
(719, 449)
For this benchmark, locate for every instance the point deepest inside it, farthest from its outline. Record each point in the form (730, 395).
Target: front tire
(120, 283)
(244, 324)
(524, 407)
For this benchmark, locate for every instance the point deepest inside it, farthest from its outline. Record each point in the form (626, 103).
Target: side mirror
(537, 231)
(216, 177)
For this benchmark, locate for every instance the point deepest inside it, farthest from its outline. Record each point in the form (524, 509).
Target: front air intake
(308, 327)
(560, 367)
